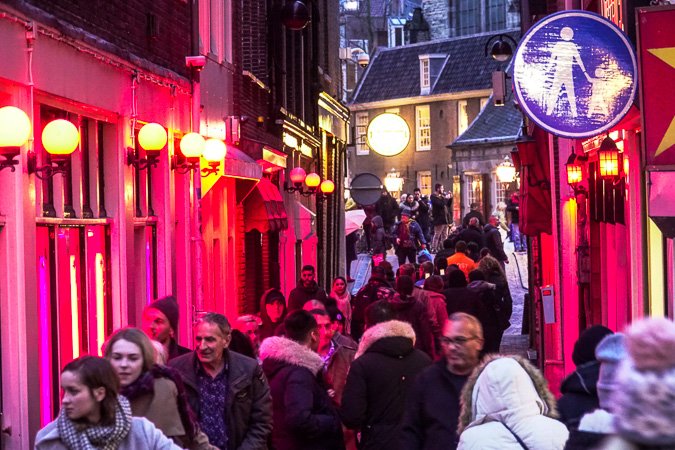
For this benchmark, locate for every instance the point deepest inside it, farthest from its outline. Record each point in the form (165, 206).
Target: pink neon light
(148, 271)
(74, 308)
(45, 356)
(100, 303)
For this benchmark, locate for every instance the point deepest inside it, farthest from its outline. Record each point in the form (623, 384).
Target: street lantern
(506, 171)
(392, 182)
(574, 171)
(298, 176)
(60, 138)
(327, 187)
(608, 159)
(313, 180)
(15, 130)
(295, 15)
(152, 138)
(214, 153)
(192, 145)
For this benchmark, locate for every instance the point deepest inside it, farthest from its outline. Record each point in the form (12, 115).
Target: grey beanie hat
(609, 352)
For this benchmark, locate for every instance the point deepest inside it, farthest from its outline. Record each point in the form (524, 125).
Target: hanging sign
(575, 74)
(657, 72)
(388, 134)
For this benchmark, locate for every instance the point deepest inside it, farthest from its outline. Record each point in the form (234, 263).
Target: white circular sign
(388, 134)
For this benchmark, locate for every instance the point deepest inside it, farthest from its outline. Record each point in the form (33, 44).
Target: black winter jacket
(441, 208)
(366, 295)
(379, 379)
(579, 394)
(248, 412)
(432, 410)
(304, 415)
(301, 295)
(493, 241)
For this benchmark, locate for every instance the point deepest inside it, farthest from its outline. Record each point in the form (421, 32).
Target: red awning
(535, 185)
(264, 208)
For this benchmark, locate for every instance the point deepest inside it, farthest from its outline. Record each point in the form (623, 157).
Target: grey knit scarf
(101, 437)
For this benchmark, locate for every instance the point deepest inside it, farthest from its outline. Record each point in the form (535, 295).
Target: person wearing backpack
(380, 240)
(408, 236)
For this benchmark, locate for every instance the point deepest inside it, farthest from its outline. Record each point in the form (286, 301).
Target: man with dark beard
(307, 290)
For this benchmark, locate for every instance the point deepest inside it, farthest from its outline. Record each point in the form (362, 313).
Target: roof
(493, 125)
(394, 72)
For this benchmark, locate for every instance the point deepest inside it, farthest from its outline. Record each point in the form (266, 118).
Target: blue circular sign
(575, 74)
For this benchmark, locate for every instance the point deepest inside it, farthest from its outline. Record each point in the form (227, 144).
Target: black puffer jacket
(301, 295)
(304, 416)
(385, 367)
(579, 394)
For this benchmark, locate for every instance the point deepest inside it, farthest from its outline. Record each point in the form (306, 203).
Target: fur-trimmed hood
(505, 389)
(392, 328)
(290, 352)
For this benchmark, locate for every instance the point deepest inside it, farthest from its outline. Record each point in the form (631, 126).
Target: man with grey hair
(228, 391)
(432, 409)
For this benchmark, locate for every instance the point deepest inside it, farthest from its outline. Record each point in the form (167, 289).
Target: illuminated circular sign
(388, 134)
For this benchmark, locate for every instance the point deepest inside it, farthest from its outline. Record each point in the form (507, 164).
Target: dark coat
(584, 440)
(470, 214)
(366, 295)
(267, 327)
(502, 297)
(579, 394)
(423, 215)
(479, 300)
(304, 415)
(337, 369)
(176, 350)
(248, 411)
(388, 209)
(473, 234)
(493, 241)
(379, 379)
(513, 208)
(415, 312)
(301, 295)
(441, 208)
(378, 236)
(432, 410)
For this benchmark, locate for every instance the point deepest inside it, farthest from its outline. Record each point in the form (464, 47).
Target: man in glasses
(432, 410)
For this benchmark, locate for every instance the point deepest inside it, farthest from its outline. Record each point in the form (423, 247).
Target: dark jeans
(406, 252)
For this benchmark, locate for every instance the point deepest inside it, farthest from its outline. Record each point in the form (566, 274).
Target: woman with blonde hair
(154, 391)
(94, 415)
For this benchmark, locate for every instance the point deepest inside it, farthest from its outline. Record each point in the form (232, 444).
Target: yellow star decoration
(666, 55)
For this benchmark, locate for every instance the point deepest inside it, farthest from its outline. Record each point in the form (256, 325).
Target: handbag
(520, 441)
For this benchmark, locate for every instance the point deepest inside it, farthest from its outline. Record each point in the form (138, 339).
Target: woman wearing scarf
(343, 299)
(154, 391)
(94, 416)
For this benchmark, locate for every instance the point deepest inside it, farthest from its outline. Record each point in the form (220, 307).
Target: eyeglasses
(459, 341)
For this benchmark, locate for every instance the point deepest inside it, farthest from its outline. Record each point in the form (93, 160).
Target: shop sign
(656, 37)
(575, 74)
(388, 134)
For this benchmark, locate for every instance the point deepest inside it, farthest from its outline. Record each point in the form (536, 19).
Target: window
(501, 190)
(350, 5)
(360, 134)
(474, 190)
(468, 17)
(425, 77)
(495, 15)
(424, 181)
(396, 35)
(423, 127)
(462, 116)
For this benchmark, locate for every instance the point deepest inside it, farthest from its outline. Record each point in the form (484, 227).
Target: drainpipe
(197, 239)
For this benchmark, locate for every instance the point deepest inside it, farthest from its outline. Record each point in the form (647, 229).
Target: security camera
(196, 62)
(363, 59)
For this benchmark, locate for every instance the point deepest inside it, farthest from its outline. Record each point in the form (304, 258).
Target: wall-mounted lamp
(15, 131)
(575, 173)
(60, 138)
(193, 146)
(393, 182)
(609, 159)
(506, 171)
(298, 176)
(502, 49)
(152, 138)
(295, 15)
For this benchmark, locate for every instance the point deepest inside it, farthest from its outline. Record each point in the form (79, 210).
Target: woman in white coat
(506, 405)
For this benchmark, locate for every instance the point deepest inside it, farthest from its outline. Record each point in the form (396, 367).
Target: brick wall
(127, 24)
(436, 14)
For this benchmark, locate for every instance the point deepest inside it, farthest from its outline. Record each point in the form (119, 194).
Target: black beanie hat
(169, 307)
(584, 349)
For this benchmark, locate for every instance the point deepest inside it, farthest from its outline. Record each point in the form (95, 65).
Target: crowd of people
(410, 362)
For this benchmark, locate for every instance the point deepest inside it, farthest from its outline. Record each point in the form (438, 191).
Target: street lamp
(152, 138)
(315, 186)
(60, 138)
(608, 159)
(392, 182)
(506, 171)
(295, 15)
(15, 131)
(501, 49)
(575, 173)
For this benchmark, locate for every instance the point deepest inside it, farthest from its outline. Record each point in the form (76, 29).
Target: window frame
(422, 131)
(462, 116)
(360, 131)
